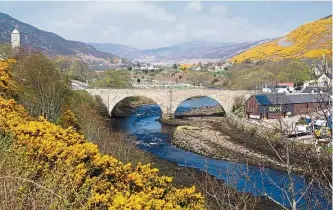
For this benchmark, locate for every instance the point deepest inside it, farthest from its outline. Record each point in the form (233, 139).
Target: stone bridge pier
(168, 99)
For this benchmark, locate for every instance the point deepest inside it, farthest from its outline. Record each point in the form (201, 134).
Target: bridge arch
(181, 101)
(112, 108)
(168, 99)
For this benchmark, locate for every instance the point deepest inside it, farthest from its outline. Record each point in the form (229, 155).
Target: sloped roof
(304, 98)
(15, 31)
(290, 84)
(263, 99)
(309, 89)
(278, 99)
(329, 75)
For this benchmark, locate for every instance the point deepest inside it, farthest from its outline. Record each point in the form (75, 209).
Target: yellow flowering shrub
(68, 119)
(307, 41)
(6, 81)
(93, 180)
(185, 66)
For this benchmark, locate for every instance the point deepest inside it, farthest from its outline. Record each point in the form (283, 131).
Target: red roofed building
(289, 84)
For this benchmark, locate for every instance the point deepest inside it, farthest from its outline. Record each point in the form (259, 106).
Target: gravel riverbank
(203, 139)
(230, 139)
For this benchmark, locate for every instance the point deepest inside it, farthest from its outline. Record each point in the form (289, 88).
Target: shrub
(7, 85)
(238, 102)
(253, 131)
(43, 88)
(301, 121)
(95, 180)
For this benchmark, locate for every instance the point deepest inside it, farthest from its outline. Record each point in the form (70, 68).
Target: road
(76, 85)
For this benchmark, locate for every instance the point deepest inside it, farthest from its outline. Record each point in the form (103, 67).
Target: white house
(324, 80)
(151, 68)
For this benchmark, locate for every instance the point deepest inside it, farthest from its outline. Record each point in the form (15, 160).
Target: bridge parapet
(168, 99)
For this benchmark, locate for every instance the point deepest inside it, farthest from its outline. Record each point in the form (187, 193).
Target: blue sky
(156, 24)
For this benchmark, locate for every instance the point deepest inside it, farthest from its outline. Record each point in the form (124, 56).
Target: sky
(145, 25)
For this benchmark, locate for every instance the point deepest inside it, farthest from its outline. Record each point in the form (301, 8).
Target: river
(155, 137)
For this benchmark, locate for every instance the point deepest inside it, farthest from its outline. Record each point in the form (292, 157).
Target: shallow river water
(154, 137)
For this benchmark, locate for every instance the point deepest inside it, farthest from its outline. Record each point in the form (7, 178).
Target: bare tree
(306, 178)
(43, 89)
(308, 183)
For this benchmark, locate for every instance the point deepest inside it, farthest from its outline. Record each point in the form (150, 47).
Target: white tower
(15, 39)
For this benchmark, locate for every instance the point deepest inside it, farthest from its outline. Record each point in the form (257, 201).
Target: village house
(324, 80)
(274, 106)
(290, 85)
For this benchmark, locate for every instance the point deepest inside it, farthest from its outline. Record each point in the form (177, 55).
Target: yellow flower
(98, 181)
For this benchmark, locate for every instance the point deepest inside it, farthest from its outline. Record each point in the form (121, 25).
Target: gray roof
(309, 89)
(306, 98)
(278, 98)
(296, 98)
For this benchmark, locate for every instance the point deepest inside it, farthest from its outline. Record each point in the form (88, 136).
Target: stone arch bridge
(168, 99)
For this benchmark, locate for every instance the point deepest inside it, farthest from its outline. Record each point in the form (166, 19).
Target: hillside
(179, 52)
(310, 40)
(49, 43)
(117, 49)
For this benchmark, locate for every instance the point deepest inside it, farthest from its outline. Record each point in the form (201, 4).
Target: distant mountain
(228, 51)
(186, 50)
(117, 49)
(182, 51)
(310, 40)
(50, 43)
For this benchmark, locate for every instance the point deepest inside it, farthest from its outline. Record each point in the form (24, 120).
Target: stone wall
(168, 99)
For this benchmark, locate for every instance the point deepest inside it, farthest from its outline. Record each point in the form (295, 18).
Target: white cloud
(143, 9)
(181, 27)
(219, 10)
(142, 36)
(194, 6)
(205, 32)
(110, 31)
(141, 24)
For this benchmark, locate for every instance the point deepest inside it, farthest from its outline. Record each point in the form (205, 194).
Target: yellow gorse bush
(307, 41)
(96, 181)
(6, 81)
